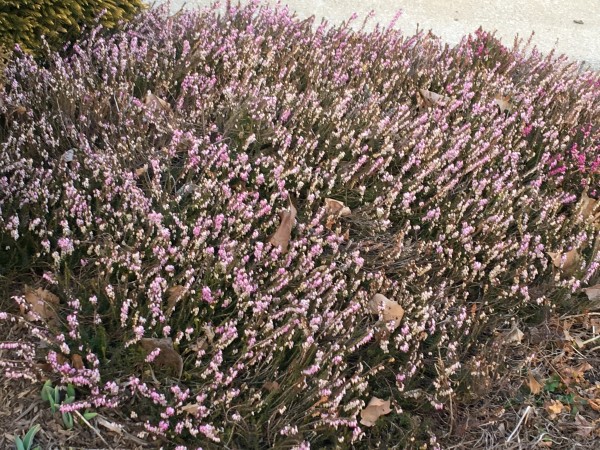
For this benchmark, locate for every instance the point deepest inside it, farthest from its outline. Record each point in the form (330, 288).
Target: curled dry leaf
(174, 293)
(587, 206)
(514, 336)
(389, 310)
(503, 102)
(282, 236)
(375, 409)
(77, 362)
(141, 170)
(554, 408)
(42, 303)
(575, 374)
(567, 262)
(594, 404)
(110, 426)
(535, 387)
(68, 155)
(203, 342)
(337, 208)
(167, 357)
(429, 98)
(593, 292)
(156, 102)
(271, 386)
(585, 428)
(191, 408)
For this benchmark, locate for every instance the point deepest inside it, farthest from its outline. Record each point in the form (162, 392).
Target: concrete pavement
(570, 26)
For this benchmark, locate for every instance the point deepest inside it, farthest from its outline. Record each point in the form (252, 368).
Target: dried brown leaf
(191, 408)
(168, 356)
(141, 170)
(375, 409)
(271, 386)
(156, 102)
(389, 310)
(337, 208)
(593, 292)
(282, 236)
(584, 427)
(110, 426)
(567, 262)
(174, 293)
(77, 361)
(587, 206)
(594, 404)
(535, 387)
(503, 102)
(514, 336)
(576, 374)
(430, 98)
(42, 303)
(554, 408)
(203, 342)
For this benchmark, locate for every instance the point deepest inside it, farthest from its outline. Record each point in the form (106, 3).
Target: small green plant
(553, 384)
(27, 442)
(52, 395)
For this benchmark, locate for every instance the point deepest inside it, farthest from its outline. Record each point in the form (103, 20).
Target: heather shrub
(29, 22)
(164, 189)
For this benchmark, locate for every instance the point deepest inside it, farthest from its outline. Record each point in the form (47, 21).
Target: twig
(589, 341)
(92, 428)
(525, 414)
(575, 316)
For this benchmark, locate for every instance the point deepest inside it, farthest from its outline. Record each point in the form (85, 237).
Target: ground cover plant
(251, 231)
(36, 24)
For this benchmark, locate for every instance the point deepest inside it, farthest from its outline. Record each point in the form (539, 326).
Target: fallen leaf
(375, 409)
(430, 98)
(110, 426)
(156, 102)
(567, 262)
(587, 206)
(337, 208)
(203, 342)
(554, 408)
(271, 386)
(389, 310)
(174, 293)
(282, 236)
(42, 303)
(167, 357)
(191, 408)
(576, 374)
(503, 102)
(535, 387)
(77, 362)
(68, 155)
(514, 336)
(323, 399)
(584, 427)
(594, 404)
(141, 170)
(593, 292)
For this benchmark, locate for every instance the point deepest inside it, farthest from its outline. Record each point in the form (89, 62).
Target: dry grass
(508, 415)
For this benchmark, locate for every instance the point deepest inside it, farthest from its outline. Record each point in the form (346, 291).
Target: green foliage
(27, 442)
(52, 395)
(25, 22)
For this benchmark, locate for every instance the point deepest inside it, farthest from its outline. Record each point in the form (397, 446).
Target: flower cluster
(145, 177)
